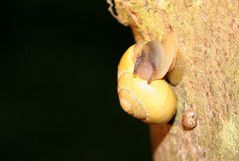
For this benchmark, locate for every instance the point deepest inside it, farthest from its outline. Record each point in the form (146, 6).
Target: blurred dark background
(58, 98)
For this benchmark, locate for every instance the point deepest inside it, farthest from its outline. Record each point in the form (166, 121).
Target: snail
(142, 91)
(189, 119)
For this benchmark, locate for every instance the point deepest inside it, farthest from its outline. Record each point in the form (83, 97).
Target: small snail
(142, 91)
(189, 119)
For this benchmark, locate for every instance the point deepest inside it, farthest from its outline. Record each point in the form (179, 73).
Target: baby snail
(142, 91)
(189, 119)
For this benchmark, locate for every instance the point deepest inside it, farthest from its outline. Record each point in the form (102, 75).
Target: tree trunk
(208, 33)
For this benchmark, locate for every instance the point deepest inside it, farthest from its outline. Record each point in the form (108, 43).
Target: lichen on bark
(208, 33)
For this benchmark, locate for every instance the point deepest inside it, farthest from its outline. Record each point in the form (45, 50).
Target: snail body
(151, 102)
(155, 59)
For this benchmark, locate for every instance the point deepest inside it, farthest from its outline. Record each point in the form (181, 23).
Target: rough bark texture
(208, 33)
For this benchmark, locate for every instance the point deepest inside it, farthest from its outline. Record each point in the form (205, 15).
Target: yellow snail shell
(151, 103)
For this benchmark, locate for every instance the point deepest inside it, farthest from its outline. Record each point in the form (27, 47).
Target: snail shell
(151, 103)
(189, 119)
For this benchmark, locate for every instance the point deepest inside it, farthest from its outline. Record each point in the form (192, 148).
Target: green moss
(229, 139)
(221, 143)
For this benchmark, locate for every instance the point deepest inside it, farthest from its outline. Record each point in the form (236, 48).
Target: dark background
(58, 98)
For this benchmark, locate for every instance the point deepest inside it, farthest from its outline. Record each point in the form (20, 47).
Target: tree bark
(208, 33)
